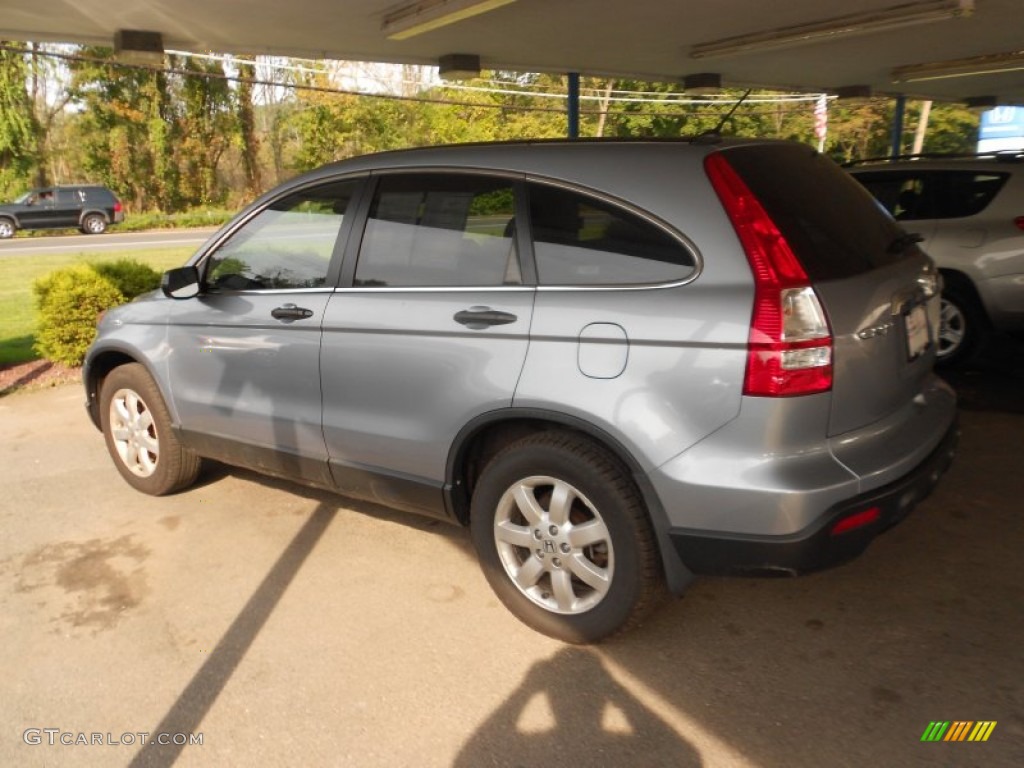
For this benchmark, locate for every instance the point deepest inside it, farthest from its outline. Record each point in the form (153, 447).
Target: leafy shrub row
(200, 217)
(70, 301)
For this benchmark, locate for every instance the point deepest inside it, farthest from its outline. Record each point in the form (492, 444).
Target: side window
(933, 194)
(900, 194)
(437, 230)
(287, 245)
(580, 240)
(967, 193)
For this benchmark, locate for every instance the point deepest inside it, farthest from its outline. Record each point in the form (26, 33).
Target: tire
(94, 224)
(7, 229)
(963, 325)
(580, 570)
(137, 430)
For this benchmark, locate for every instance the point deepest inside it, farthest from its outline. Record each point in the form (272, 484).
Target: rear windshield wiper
(904, 241)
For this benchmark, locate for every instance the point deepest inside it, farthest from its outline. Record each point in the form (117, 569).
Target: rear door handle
(478, 318)
(291, 312)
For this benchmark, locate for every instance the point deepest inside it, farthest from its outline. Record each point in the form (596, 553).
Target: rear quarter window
(586, 241)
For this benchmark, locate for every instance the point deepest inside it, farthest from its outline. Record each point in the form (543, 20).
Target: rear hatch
(876, 285)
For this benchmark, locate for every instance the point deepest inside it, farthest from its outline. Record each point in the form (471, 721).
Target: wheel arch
(962, 282)
(488, 433)
(98, 367)
(93, 212)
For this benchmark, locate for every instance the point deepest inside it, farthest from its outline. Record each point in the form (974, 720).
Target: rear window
(910, 195)
(832, 223)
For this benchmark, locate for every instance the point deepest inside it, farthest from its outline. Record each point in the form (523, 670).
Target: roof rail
(1002, 156)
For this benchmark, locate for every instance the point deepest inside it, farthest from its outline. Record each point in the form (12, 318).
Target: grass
(17, 303)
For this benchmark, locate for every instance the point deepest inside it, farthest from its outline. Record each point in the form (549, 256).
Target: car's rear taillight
(117, 206)
(790, 342)
(1019, 222)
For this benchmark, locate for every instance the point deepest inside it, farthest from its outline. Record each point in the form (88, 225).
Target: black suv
(89, 208)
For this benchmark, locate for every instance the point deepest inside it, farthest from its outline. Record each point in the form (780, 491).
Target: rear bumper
(817, 546)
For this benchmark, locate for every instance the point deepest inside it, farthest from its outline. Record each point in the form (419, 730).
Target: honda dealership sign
(1002, 128)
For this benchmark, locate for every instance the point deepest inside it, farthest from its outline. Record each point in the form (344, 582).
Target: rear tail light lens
(790, 342)
(117, 206)
(1019, 222)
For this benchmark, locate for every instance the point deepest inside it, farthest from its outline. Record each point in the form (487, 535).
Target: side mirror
(180, 283)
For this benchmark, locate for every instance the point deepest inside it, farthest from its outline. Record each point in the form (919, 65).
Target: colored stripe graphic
(958, 730)
(982, 730)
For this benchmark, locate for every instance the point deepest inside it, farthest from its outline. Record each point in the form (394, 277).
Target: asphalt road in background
(283, 626)
(111, 241)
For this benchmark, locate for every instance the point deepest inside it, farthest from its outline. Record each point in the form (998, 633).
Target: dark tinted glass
(287, 245)
(581, 240)
(911, 195)
(440, 230)
(832, 223)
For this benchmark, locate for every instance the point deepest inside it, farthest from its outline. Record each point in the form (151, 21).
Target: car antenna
(716, 133)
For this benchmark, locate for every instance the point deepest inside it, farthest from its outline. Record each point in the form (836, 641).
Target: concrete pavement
(283, 626)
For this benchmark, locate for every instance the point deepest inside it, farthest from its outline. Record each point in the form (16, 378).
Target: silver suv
(620, 364)
(969, 212)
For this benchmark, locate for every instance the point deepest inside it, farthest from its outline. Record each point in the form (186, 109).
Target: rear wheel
(962, 325)
(564, 539)
(137, 429)
(94, 224)
(7, 229)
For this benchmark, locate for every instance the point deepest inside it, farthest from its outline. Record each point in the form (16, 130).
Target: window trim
(526, 268)
(335, 267)
(524, 231)
(668, 229)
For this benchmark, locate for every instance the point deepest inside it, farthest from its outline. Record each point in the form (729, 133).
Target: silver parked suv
(619, 364)
(969, 213)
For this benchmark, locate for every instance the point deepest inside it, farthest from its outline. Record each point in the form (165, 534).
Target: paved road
(112, 241)
(290, 627)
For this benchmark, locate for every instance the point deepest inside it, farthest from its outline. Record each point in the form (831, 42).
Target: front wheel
(564, 539)
(94, 224)
(137, 429)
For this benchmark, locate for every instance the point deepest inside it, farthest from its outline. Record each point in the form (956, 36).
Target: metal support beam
(574, 105)
(896, 142)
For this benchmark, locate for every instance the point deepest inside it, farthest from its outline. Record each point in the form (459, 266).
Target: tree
(19, 130)
(248, 140)
(204, 125)
(127, 131)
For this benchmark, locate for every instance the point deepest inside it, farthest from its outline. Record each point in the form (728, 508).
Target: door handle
(478, 318)
(291, 312)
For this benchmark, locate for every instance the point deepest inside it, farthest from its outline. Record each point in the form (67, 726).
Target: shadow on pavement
(199, 695)
(569, 711)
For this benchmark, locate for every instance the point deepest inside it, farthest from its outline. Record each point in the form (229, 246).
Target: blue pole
(897, 126)
(574, 105)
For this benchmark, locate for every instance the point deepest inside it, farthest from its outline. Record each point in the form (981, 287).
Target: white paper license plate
(917, 332)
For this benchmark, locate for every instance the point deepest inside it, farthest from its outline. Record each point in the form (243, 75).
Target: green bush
(70, 301)
(131, 278)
